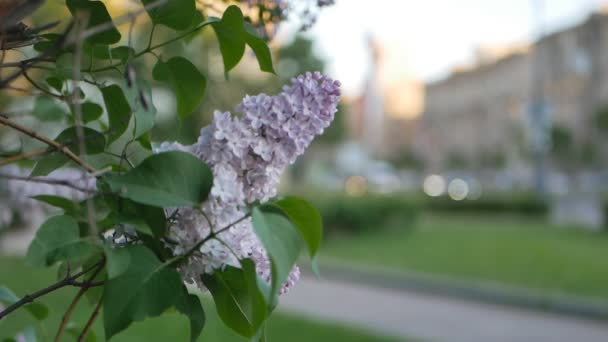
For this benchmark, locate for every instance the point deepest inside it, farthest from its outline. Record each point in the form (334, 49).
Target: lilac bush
(137, 231)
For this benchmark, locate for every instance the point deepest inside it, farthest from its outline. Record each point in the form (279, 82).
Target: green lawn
(515, 251)
(170, 327)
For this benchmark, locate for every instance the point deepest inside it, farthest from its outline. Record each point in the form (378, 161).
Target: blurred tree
(600, 118)
(493, 159)
(298, 57)
(562, 147)
(456, 160)
(407, 159)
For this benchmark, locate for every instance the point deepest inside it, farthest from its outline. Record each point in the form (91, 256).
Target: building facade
(483, 116)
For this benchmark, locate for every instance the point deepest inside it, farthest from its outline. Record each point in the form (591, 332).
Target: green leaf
(239, 302)
(94, 141)
(89, 111)
(97, 15)
(190, 305)
(145, 289)
(171, 179)
(69, 206)
(55, 83)
(281, 241)
(144, 113)
(186, 81)
(144, 141)
(64, 66)
(48, 164)
(49, 42)
(94, 294)
(58, 239)
(306, 219)
(47, 109)
(120, 53)
(233, 35)
(8, 297)
(175, 14)
(230, 34)
(261, 50)
(119, 111)
(94, 144)
(146, 218)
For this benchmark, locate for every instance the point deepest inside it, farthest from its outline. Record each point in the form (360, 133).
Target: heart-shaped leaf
(58, 239)
(171, 179)
(186, 81)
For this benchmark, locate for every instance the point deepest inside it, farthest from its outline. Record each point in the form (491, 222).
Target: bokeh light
(434, 185)
(356, 186)
(458, 189)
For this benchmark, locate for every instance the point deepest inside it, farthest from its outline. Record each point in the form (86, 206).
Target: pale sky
(426, 38)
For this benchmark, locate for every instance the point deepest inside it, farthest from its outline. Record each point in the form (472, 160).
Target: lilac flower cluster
(247, 155)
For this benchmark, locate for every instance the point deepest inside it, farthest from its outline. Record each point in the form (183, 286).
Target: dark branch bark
(60, 284)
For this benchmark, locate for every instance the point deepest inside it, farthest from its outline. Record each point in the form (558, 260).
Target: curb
(488, 292)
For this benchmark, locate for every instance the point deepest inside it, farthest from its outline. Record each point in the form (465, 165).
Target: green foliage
(233, 36)
(58, 239)
(281, 241)
(305, 218)
(343, 213)
(519, 251)
(171, 326)
(176, 14)
(601, 119)
(144, 114)
(37, 310)
(186, 81)
(562, 143)
(47, 109)
(90, 112)
(190, 305)
(116, 240)
(97, 14)
(298, 58)
(240, 303)
(171, 179)
(518, 204)
(119, 111)
(147, 219)
(144, 287)
(94, 143)
(59, 202)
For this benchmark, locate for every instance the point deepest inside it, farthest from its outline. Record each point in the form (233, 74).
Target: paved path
(435, 318)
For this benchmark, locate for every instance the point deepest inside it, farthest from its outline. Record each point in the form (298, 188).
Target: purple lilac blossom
(247, 154)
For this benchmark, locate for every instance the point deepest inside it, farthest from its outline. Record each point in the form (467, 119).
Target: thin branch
(70, 310)
(62, 283)
(212, 235)
(63, 149)
(150, 49)
(89, 324)
(68, 313)
(52, 181)
(37, 86)
(23, 156)
(59, 43)
(25, 62)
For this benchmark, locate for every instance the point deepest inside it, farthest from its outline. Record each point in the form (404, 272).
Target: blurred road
(435, 318)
